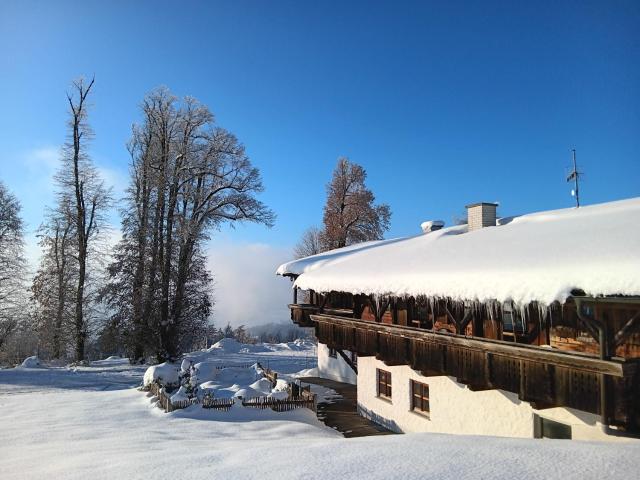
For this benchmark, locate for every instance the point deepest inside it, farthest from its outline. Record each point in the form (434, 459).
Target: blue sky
(444, 103)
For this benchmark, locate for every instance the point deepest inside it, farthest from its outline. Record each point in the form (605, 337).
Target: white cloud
(115, 179)
(44, 160)
(247, 290)
(40, 166)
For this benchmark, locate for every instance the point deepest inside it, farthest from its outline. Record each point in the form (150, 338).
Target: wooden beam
(494, 347)
(348, 360)
(465, 321)
(478, 324)
(479, 387)
(450, 315)
(393, 303)
(626, 330)
(538, 405)
(593, 329)
(383, 310)
(358, 306)
(533, 333)
(324, 302)
(391, 363)
(460, 323)
(373, 305)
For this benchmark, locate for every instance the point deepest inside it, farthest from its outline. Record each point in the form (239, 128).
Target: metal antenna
(575, 175)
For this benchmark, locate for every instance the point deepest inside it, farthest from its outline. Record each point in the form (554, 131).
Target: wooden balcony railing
(542, 376)
(301, 313)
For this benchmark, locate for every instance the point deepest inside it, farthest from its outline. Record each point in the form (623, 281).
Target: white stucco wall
(456, 409)
(334, 368)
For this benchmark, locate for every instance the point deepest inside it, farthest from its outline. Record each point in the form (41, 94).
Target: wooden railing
(298, 390)
(301, 313)
(280, 405)
(546, 378)
(218, 403)
(271, 375)
(164, 398)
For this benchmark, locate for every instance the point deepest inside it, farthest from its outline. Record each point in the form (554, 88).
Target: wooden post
(604, 404)
(393, 304)
(295, 295)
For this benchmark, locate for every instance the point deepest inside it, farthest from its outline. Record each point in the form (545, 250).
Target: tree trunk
(139, 323)
(79, 324)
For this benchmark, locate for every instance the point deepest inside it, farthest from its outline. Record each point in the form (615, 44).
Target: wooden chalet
(580, 351)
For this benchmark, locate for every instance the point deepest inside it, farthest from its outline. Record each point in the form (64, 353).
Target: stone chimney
(480, 215)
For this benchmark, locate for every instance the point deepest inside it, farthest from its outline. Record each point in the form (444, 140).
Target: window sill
(423, 415)
(385, 399)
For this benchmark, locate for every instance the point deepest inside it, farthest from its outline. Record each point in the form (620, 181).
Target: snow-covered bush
(263, 385)
(247, 393)
(186, 365)
(181, 395)
(204, 372)
(31, 362)
(166, 374)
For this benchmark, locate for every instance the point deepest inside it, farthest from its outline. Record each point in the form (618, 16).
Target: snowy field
(92, 422)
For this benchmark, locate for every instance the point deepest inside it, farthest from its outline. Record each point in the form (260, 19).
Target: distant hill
(279, 332)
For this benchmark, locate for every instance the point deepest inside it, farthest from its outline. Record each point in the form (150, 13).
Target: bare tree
(309, 244)
(55, 282)
(350, 214)
(80, 184)
(188, 178)
(12, 264)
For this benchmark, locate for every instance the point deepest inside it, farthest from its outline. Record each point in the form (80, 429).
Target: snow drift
(231, 345)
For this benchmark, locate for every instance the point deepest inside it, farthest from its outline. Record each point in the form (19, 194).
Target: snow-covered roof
(536, 257)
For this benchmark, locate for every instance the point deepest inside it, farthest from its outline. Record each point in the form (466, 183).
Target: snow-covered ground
(91, 422)
(231, 369)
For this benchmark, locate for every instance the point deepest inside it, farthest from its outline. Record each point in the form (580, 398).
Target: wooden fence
(239, 365)
(270, 374)
(280, 405)
(164, 399)
(299, 397)
(218, 403)
(297, 390)
(180, 404)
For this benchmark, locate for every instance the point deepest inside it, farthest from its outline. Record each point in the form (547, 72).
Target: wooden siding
(544, 377)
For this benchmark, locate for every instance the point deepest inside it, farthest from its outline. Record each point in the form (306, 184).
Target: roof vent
(480, 215)
(431, 225)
